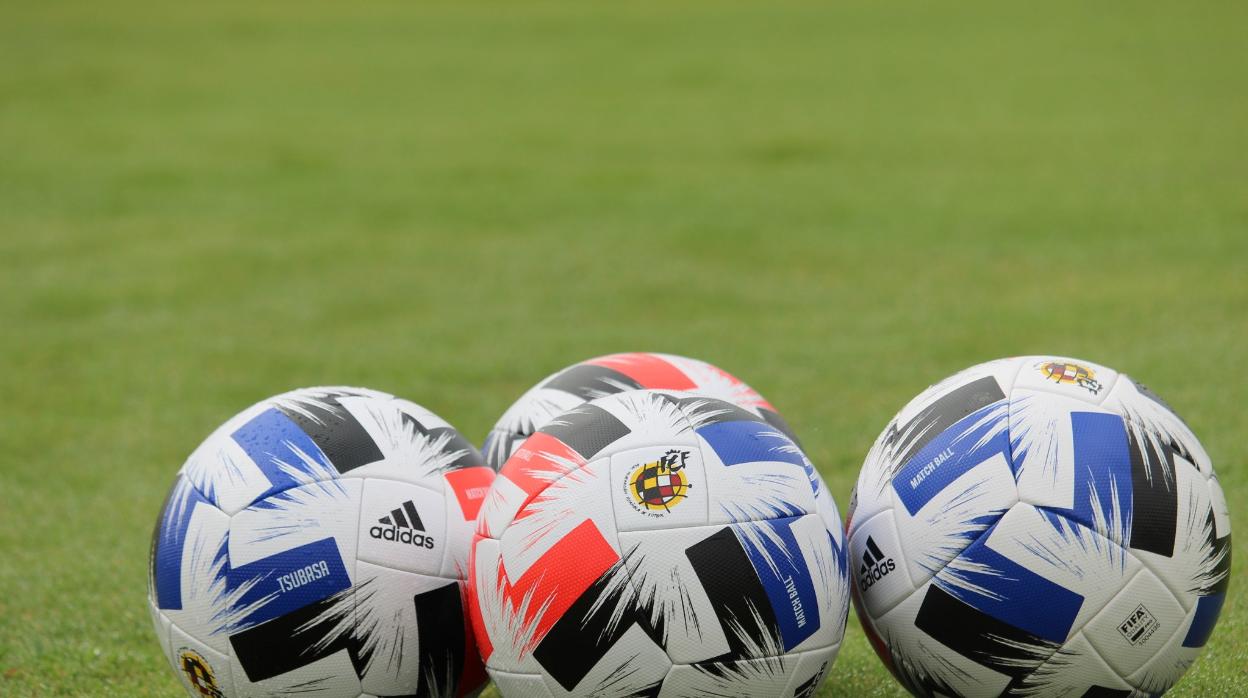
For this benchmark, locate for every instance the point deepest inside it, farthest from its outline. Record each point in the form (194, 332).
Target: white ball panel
(407, 456)
(875, 554)
(333, 676)
(756, 490)
(632, 514)
(651, 418)
(1193, 563)
(422, 414)
(869, 498)
(746, 677)
(1072, 670)
(199, 667)
(1149, 417)
(295, 517)
(830, 585)
(535, 408)
(513, 685)
(1221, 513)
(220, 467)
(1062, 375)
(631, 665)
(1135, 624)
(921, 659)
(809, 671)
(664, 577)
(1044, 446)
(206, 607)
(954, 518)
(501, 506)
(387, 617)
(161, 624)
(1170, 663)
(825, 507)
(1065, 553)
(402, 526)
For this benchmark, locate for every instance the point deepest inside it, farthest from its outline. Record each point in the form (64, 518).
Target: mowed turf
(204, 204)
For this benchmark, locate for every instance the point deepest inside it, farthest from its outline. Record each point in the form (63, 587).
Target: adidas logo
(875, 565)
(403, 525)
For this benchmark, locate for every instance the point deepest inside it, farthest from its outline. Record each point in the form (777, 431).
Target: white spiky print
(558, 392)
(261, 526)
(656, 603)
(1100, 465)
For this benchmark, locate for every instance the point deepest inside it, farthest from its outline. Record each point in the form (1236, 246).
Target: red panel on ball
(470, 486)
(560, 577)
(649, 370)
(540, 460)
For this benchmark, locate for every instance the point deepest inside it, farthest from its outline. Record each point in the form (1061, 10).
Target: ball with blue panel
(318, 540)
(1038, 526)
(659, 543)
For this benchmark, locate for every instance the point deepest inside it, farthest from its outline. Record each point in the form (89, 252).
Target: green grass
(204, 204)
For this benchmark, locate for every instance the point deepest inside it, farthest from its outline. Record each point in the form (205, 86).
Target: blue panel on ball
(288, 580)
(1011, 593)
(752, 442)
(171, 540)
(969, 442)
(275, 443)
(785, 577)
(1102, 472)
(1207, 610)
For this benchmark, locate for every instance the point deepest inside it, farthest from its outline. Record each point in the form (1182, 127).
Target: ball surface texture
(1038, 526)
(662, 544)
(615, 373)
(316, 544)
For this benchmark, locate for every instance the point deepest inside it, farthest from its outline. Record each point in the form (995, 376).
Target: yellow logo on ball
(199, 673)
(1071, 374)
(660, 485)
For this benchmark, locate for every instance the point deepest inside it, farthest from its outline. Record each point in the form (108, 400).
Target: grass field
(204, 204)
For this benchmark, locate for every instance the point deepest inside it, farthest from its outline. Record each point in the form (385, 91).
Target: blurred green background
(205, 204)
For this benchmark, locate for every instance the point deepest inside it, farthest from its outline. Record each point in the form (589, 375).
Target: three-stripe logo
(397, 518)
(403, 525)
(875, 565)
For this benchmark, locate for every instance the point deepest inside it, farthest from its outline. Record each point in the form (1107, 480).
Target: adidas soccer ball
(1038, 526)
(658, 544)
(318, 542)
(614, 373)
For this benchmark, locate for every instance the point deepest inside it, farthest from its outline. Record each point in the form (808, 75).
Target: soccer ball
(318, 542)
(614, 373)
(654, 543)
(1038, 526)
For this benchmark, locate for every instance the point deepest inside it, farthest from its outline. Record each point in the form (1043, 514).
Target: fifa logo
(1139, 626)
(655, 488)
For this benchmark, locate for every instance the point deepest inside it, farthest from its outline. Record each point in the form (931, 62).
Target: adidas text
(402, 535)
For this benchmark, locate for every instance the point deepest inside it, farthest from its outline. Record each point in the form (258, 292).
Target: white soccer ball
(661, 544)
(1038, 526)
(317, 542)
(615, 373)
